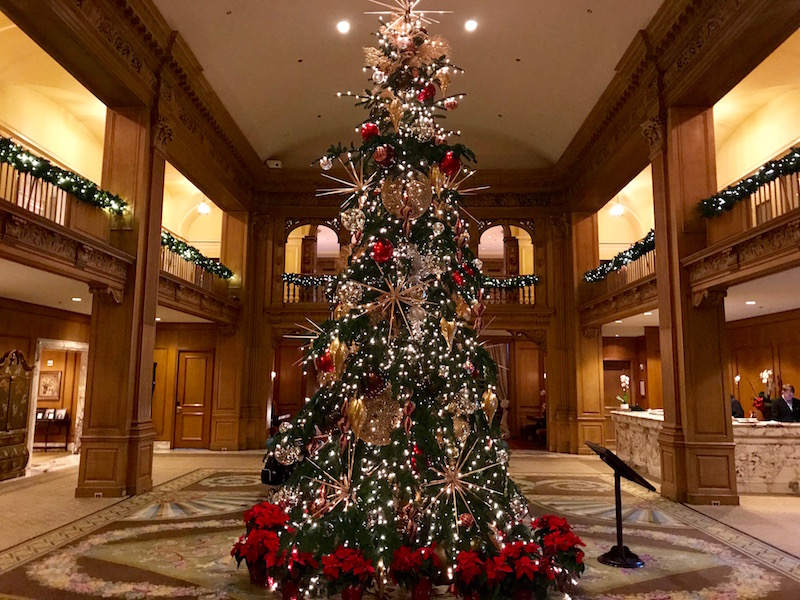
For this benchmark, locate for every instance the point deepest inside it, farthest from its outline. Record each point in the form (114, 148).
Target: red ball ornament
(374, 384)
(450, 164)
(369, 131)
(428, 92)
(325, 362)
(451, 104)
(382, 251)
(384, 155)
(458, 278)
(468, 270)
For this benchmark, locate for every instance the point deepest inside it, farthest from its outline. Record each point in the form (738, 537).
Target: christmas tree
(398, 467)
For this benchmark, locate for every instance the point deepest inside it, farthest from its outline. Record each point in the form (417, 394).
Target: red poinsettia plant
(416, 569)
(523, 569)
(259, 547)
(347, 568)
(560, 548)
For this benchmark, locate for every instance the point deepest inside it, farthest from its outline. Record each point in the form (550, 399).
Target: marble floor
(45, 501)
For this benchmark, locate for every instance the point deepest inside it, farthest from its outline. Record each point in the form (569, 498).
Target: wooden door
(193, 399)
(526, 408)
(291, 384)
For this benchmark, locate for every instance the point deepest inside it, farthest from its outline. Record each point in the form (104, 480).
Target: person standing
(786, 409)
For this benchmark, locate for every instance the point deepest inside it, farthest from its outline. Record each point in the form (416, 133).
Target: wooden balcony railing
(52, 203)
(294, 293)
(175, 264)
(634, 271)
(509, 296)
(774, 195)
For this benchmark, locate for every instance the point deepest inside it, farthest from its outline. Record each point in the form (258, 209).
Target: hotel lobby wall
(768, 342)
(21, 324)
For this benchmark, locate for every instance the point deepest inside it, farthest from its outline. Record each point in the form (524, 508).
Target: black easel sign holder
(620, 555)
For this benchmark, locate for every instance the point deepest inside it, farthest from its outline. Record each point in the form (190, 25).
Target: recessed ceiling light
(343, 26)
(617, 321)
(471, 25)
(158, 318)
(616, 335)
(648, 314)
(76, 299)
(751, 302)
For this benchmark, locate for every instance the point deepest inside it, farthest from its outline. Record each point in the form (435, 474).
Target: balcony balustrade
(510, 296)
(175, 264)
(294, 293)
(52, 203)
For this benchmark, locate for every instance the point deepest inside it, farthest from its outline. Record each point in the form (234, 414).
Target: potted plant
(470, 579)
(348, 571)
(519, 571)
(298, 569)
(563, 558)
(259, 546)
(625, 384)
(416, 570)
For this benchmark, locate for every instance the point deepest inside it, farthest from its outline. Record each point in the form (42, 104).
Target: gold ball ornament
(460, 429)
(490, 403)
(383, 416)
(407, 198)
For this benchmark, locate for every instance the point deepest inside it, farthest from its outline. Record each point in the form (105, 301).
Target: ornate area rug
(175, 541)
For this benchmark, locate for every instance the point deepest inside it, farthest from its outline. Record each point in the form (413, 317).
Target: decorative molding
(619, 302)
(163, 133)
(58, 248)
(561, 226)
(526, 200)
(591, 332)
(182, 295)
(292, 224)
(737, 260)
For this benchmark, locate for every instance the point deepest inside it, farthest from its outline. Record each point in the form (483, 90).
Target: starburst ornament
(408, 291)
(356, 186)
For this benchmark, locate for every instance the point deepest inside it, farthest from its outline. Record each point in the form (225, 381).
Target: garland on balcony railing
(510, 283)
(637, 250)
(192, 254)
(308, 281)
(72, 183)
(733, 194)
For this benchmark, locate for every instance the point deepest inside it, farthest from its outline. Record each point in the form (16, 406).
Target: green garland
(512, 283)
(520, 281)
(308, 281)
(637, 250)
(72, 183)
(192, 254)
(733, 194)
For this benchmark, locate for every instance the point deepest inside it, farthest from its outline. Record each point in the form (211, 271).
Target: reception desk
(767, 452)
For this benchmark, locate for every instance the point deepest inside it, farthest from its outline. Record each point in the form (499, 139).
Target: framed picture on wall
(61, 414)
(49, 385)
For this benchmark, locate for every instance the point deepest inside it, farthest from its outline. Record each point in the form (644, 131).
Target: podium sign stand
(620, 555)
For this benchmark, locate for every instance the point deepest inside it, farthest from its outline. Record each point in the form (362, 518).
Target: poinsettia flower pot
(258, 573)
(352, 592)
(422, 590)
(522, 594)
(290, 590)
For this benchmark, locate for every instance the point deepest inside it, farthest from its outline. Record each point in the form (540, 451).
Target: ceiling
(534, 69)
(26, 284)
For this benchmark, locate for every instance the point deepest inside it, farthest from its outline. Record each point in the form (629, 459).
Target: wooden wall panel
(526, 380)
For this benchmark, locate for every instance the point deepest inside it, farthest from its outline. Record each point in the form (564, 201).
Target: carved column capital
(708, 298)
(105, 293)
(560, 226)
(163, 132)
(591, 332)
(655, 133)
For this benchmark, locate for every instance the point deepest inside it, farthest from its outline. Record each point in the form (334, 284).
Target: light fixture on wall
(617, 210)
(203, 208)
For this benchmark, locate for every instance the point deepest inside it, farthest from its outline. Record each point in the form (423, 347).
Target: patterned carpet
(175, 540)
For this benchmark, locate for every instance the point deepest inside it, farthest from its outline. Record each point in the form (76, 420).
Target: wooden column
(231, 348)
(697, 450)
(117, 442)
(560, 361)
(588, 341)
(510, 253)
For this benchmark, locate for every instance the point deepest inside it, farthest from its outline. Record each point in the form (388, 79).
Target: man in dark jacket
(785, 409)
(736, 408)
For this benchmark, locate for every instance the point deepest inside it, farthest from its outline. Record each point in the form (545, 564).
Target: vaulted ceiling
(534, 69)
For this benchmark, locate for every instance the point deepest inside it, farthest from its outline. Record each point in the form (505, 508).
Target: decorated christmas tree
(398, 470)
